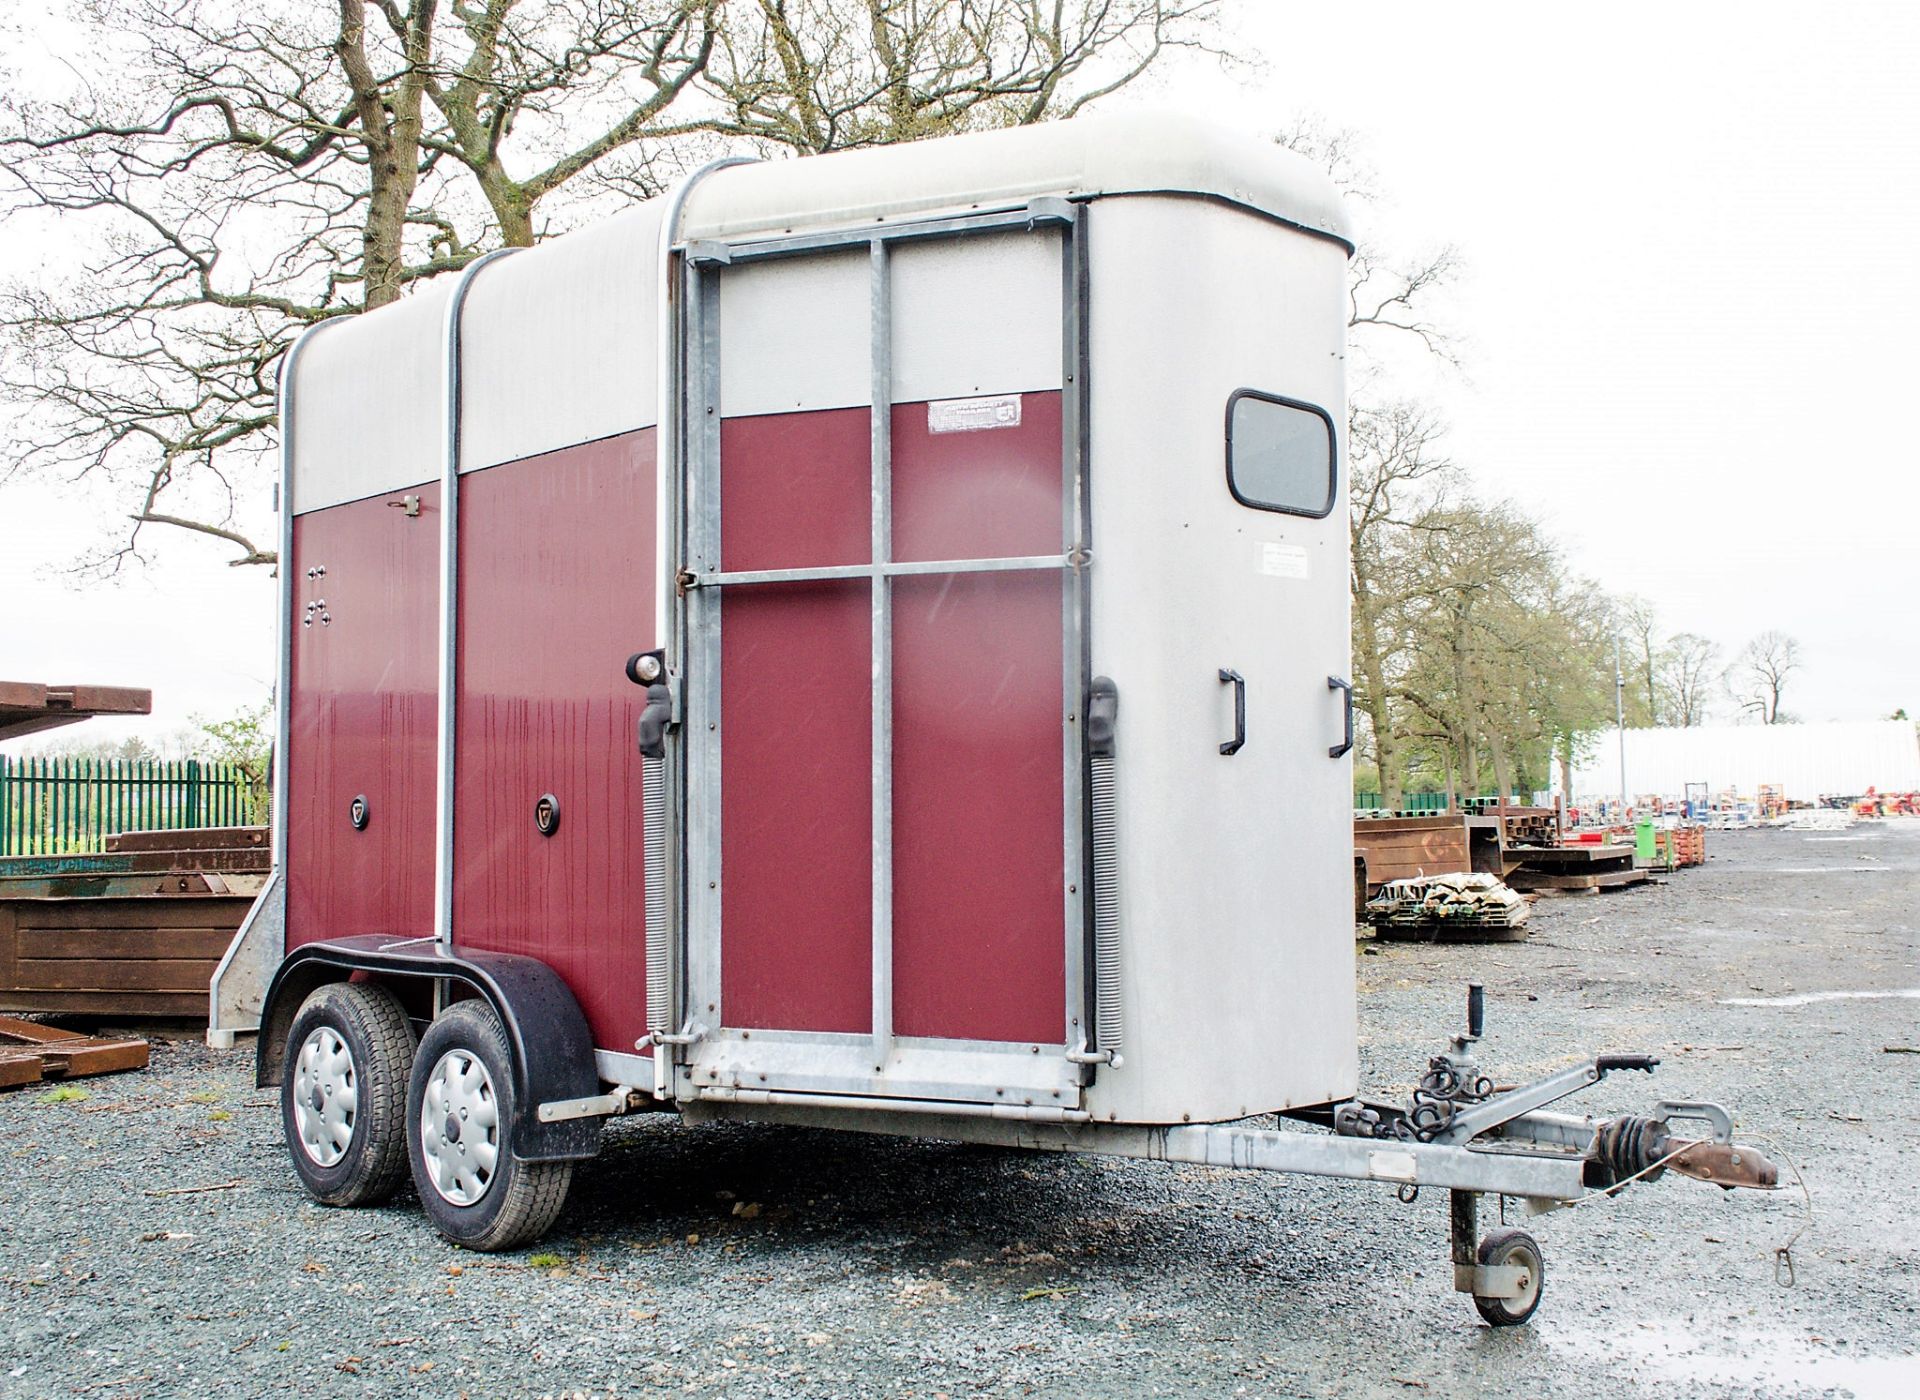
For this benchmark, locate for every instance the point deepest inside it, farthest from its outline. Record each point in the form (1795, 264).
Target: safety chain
(1438, 1098)
(1442, 1092)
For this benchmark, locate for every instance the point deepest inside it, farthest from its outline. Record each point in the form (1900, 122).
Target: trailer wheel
(343, 1095)
(459, 1108)
(1515, 1248)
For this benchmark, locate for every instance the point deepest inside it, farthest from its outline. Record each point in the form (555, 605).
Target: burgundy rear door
(883, 664)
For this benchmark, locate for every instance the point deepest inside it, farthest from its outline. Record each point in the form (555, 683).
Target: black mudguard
(552, 1048)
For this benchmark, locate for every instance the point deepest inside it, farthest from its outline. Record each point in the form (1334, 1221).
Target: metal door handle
(649, 669)
(1239, 739)
(1345, 746)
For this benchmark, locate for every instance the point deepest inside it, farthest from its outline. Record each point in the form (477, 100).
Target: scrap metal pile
(1464, 907)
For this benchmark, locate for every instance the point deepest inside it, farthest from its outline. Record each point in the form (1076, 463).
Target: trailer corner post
(880, 418)
(1091, 965)
(666, 438)
(449, 675)
(663, 857)
(273, 893)
(283, 680)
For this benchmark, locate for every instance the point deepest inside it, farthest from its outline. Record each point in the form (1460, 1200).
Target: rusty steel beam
(27, 707)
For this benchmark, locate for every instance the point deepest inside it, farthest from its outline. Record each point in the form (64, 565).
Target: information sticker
(1284, 560)
(973, 415)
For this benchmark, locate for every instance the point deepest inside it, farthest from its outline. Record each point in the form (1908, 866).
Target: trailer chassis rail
(1462, 1134)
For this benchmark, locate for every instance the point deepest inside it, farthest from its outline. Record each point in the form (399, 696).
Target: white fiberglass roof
(1132, 153)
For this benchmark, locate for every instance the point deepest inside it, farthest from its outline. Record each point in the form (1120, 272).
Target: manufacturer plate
(1392, 1166)
(973, 415)
(1284, 561)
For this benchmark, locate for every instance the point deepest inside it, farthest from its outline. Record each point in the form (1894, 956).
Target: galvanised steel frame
(825, 1063)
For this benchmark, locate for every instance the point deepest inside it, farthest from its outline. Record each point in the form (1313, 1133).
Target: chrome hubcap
(459, 1128)
(326, 1096)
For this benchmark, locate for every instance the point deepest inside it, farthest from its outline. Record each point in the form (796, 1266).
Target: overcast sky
(1691, 238)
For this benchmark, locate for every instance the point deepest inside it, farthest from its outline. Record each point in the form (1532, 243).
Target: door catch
(1345, 746)
(1239, 683)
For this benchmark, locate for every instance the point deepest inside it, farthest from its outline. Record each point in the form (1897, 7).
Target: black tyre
(1516, 1248)
(460, 1104)
(343, 1094)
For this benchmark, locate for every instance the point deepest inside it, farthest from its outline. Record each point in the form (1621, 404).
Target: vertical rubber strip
(1109, 1023)
(1103, 711)
(653, 777)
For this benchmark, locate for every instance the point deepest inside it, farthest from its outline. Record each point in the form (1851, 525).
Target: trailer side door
(883, 662)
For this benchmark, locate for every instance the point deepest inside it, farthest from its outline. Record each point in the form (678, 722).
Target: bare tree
(824, 75)
(1385, 293)
(1397, 474)
(231, 171)
(1396, 480)
(1639, 631)
(239, 172)
(1688, 667)
(1757, 679)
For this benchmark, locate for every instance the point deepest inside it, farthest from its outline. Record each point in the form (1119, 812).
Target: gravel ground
(745, 1262)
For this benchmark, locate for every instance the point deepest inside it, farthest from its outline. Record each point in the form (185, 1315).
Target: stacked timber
(136, 930)
(1575, 869)
(1450, 908)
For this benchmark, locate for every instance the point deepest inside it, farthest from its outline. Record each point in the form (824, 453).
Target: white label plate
(973, 415)
(1284, 561)
(1392, 1166)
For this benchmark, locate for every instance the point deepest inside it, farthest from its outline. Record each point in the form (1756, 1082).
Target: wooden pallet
(1688, 844)
(30, 1053)
(1451, 931)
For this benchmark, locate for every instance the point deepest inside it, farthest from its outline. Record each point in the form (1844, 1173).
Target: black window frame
(1333, 454)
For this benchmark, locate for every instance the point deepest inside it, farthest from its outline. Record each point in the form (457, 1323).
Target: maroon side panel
(795, 490)
(796, 803)
(796, 716)
(978, 856)
(362, 721)
(556, 591)
(977, 495)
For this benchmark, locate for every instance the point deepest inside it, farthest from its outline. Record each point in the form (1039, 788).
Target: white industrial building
(1805, 761)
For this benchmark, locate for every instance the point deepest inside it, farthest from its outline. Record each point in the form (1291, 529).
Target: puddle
(1809, 998)
(1862, 868)
(1775, 1361)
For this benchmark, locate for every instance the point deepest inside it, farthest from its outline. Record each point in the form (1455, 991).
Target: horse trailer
(858, 641)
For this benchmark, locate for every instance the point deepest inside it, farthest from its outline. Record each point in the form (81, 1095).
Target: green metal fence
(64, 806)
(1408, 803)
(1419, 803)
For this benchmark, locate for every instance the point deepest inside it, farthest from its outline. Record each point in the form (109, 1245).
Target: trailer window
(1279, 454)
